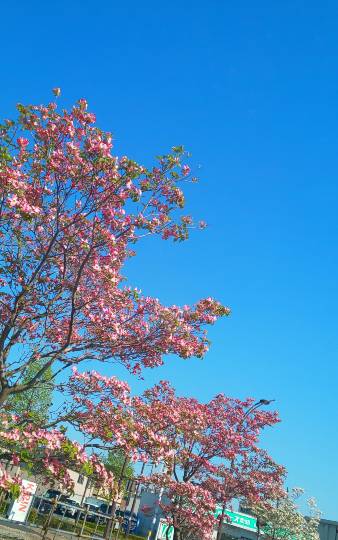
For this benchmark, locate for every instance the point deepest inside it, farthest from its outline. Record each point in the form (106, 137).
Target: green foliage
(14, 490)
(114, 463)
(34, 403)
(25, 455)
(69, 449)
(178, 149)
(87, 469)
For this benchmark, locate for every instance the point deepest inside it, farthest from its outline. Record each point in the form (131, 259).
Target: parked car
(67, 507)
(128, 518)
(105, 509)
(51, 494)
(122, 515)
(92, 514)
(44, 502)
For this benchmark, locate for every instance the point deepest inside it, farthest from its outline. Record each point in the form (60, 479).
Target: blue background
(251, 89)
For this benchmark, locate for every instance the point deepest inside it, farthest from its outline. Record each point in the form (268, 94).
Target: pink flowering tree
(215, 456)
(188, 507)
(107, 416)
(49, 454)
(71, 213)
(209, 450)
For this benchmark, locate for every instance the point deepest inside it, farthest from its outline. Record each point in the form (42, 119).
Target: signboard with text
(21, 505)
(162, 531)
(237, 519)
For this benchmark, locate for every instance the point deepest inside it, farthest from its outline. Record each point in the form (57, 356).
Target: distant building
(83, 487)
(149, 511)
(328, 530)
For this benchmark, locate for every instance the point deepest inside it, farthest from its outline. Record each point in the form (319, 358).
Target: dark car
(105, 509)
(92, 513)
(44, 502)
(67, 507)
(64, 507)
(128, 521)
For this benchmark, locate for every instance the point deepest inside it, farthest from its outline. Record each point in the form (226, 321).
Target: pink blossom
(186, 170)
(22, 142)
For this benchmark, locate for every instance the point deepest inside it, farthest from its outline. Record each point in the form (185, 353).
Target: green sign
(162, 531)
(244, 521)
(278, 533)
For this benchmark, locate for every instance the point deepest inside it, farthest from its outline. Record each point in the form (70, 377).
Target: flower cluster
(48, 453)
(71, 214)
(209, 450)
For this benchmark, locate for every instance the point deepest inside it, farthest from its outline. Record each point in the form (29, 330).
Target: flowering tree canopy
(214, 459)
(107, 416)
(280, 519)
(70, 213)
(209, 450)
(48, 453)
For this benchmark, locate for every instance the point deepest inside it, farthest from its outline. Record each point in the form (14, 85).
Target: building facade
(328, 530)
(83, 487)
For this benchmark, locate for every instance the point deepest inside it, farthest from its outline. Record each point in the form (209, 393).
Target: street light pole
(253, 407)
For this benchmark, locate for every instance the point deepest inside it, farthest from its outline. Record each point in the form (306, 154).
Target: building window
(80, 480)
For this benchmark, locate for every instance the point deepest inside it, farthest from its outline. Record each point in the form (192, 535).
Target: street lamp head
(266, 401)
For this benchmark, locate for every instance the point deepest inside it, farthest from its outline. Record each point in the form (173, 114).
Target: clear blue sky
(251, 89)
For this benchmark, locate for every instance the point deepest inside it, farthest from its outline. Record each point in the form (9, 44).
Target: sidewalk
(16, 531)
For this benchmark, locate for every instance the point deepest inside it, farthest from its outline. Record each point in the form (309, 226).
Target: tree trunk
(4, 394)
(111, 522)
(220, 523)
(177, 533)
(134, 501)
